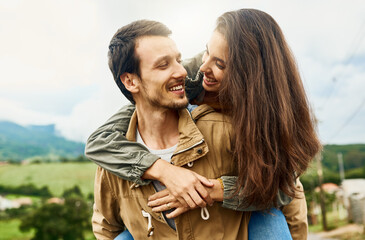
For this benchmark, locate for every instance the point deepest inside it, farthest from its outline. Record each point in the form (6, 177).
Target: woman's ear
(130, 81)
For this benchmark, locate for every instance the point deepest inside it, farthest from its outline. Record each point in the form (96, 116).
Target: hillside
(21, 142)
(353, 156)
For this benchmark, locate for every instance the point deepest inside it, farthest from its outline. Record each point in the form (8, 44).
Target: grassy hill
(57, 176)
(353, 156)
(19, 142)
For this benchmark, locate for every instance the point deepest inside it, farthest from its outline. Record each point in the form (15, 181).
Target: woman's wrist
(217, 191)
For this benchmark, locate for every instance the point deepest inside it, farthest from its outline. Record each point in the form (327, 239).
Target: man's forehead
(149, 48)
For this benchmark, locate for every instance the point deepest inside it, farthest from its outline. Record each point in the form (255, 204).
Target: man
(146, 66)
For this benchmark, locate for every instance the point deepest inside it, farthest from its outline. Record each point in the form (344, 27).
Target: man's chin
(178, 106)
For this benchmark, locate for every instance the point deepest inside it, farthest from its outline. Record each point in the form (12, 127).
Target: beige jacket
(118, 201)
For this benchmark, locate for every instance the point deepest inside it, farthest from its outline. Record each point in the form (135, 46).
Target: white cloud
(53, 56)
(88, 115)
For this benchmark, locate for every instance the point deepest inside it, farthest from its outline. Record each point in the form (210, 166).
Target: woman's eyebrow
(214, 57)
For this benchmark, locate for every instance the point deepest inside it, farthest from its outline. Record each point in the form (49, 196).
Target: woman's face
(214, 62)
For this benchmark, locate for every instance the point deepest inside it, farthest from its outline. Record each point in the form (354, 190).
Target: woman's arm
(109, 148)
(236, 202)
(193, 82)
(219, 193)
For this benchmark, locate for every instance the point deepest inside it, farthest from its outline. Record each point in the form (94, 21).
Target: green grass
(9, 231)
(57, 176)
(333, 222)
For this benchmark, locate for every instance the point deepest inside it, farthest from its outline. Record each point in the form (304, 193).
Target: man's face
(162, 75)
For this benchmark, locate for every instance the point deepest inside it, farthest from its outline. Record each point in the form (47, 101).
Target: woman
(250, 71)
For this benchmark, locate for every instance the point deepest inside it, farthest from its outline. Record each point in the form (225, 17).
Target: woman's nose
(204, 66)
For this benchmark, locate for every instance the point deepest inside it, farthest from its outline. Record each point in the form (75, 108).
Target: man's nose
(180, 71)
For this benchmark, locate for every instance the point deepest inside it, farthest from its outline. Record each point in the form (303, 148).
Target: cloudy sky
(53, 57)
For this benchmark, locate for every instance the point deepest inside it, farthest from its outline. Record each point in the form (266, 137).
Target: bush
(66, 221)
(28, 189)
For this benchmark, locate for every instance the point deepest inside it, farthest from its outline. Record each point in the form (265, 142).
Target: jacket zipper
(187, 149)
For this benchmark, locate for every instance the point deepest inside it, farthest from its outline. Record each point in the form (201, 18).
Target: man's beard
(171, 106)
(156, 102)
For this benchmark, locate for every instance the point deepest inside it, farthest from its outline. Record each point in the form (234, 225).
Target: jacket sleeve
(194, 79)
(235, 202)
(109, 148)
(106, 222)
(296, 214)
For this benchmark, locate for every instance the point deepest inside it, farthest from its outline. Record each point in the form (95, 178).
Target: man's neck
(158, 127)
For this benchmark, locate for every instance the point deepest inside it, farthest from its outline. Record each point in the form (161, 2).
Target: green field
(57, 176)
(9, 230)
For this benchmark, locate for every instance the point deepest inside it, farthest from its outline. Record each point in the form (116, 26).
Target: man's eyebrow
(160, 59)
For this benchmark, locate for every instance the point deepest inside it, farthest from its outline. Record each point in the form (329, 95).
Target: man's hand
(186, 186)
(163, 201)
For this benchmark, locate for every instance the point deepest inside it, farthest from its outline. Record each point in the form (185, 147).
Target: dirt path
(317, 236)
(341, 231)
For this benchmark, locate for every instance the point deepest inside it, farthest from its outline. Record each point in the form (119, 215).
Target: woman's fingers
(203, 193)
(205, 181)
(198, 201)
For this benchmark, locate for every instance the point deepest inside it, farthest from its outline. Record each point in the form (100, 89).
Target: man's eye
(163, 65)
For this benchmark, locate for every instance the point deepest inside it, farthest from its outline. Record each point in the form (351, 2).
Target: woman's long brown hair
(274, 132)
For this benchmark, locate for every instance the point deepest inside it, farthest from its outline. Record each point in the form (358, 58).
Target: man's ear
(130, 81)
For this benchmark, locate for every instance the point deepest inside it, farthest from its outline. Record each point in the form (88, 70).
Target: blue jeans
(263, 225)
(124, 236)
(268, 225)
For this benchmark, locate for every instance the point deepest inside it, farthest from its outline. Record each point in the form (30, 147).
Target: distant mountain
(21, 142)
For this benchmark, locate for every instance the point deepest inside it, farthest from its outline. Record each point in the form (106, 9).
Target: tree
(72, 192)
(59, 221)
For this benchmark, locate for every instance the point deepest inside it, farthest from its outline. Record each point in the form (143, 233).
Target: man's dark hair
(121, 55)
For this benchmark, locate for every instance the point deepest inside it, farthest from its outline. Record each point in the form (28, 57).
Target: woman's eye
(220, 66)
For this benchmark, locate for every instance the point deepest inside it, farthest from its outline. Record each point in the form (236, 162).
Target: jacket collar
(190, 137)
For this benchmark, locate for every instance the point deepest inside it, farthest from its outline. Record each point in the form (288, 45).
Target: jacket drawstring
(204, 213)
(149, 225)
